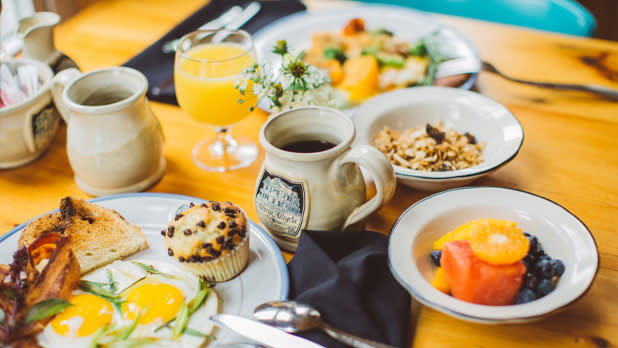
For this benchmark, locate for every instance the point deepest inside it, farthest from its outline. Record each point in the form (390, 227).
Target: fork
(467, 66)
(595, 89)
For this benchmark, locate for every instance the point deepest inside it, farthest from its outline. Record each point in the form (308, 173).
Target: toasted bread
(98, 235)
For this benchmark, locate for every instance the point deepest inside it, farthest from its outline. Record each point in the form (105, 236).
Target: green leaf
(152, 270)
(419, 50)
(110, 281)
(182, 318)
(335, 53)
(46, 309)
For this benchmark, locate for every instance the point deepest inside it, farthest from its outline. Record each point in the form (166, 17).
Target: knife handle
(352, 340)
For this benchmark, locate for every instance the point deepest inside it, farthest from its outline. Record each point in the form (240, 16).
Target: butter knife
(247, 13)
(262, 333)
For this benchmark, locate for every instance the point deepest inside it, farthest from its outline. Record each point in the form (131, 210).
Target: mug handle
(381, 171)
(60, 82)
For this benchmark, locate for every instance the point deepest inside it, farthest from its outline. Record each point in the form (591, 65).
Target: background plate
(408, 24)
(264, 279)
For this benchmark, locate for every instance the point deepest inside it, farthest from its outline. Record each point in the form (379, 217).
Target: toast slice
(98, 235)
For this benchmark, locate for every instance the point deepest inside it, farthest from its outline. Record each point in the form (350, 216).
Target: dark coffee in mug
(308, 146)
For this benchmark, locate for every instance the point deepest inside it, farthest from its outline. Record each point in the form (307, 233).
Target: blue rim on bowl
(563, 235)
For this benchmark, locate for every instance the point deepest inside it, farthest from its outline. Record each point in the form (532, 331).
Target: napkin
(345, 275)
(159, 67)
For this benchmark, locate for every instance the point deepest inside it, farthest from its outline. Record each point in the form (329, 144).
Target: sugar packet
(19, 86)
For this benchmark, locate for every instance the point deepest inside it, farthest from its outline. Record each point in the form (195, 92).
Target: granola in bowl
(439, 138)
(429, 148)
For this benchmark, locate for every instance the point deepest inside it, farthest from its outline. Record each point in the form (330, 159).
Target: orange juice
(205, 83)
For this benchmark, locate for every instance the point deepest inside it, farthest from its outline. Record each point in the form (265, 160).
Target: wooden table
(569, 154)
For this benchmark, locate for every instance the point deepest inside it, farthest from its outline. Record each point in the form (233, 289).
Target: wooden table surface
(569, 154)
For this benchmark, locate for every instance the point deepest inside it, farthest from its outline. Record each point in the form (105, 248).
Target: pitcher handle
(61, 81)
(381, 171)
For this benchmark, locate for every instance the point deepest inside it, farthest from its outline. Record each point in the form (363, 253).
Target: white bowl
(462, 110)
(562, 235)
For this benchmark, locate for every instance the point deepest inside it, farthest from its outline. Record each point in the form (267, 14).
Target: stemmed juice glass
(208, 64)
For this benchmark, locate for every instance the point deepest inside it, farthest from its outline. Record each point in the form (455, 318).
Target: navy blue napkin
(345, 275)
(159, 67)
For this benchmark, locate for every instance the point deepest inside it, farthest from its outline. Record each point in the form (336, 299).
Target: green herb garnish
(381, 31)
(46, 309)
(419, 50)
(335, 53)
(152, 270)
(110, 281)
(182, 318)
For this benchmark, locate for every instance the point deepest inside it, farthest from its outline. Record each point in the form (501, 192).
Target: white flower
(294, 83)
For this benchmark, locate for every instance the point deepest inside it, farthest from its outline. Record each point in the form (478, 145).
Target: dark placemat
(345, 275)
(159, 67)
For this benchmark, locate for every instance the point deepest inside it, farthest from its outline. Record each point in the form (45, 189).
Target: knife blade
(265, 334)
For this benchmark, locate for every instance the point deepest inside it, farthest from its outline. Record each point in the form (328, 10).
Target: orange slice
(498, 242)
(439, 281)
(460, 233)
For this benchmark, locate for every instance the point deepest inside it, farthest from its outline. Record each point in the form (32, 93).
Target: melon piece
(473, 280)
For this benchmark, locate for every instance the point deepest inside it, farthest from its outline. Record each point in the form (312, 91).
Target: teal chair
(562, 16)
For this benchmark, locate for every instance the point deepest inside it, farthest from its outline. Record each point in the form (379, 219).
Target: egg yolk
(87, 315)
(160, 300)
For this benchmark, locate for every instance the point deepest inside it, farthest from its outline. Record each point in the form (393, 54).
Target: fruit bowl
(562, 235)
(461, 110)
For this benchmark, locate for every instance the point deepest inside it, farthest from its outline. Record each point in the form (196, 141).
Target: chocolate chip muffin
(210, 239)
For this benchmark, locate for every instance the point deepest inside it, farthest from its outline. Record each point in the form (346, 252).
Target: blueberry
(533, 242)
(435, 257)
(545, 287)
(530, 281)
(529, 261)
(558, 267)
(543, 269)
(525, 296)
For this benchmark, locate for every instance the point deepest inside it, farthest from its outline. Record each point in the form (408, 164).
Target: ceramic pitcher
(37, 32)
(310, 178)
(114, 141)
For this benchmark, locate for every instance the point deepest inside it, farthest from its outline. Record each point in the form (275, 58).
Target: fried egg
(148, 300)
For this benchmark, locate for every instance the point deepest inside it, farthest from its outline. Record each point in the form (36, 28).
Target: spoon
(293, 317)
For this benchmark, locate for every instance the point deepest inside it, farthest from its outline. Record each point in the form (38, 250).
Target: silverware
(232, 19)
(469, 66)
(291, 316)
(262, 333)
(595, 89)
(246, 14)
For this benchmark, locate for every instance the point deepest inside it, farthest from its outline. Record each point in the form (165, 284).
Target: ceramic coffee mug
(28, 128)
(114, 141)
(310, 178)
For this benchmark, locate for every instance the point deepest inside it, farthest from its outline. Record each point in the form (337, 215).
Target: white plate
(562, 235)
(461, 110)
(264, 279)
(405, 23)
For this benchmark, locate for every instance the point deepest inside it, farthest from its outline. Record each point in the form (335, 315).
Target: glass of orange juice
(207, 66)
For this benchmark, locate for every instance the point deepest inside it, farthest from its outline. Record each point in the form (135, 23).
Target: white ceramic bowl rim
(408, 96)
(481, 313)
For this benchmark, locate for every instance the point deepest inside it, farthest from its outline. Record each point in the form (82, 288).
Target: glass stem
(225, 143)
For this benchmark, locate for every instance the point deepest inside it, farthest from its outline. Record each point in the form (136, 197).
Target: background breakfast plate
(561, 233)
(408, 24)
(264, 279)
